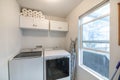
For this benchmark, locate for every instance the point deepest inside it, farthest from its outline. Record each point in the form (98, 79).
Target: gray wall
(10, 36)
(114, 47)
(32, 38)
(72, 18)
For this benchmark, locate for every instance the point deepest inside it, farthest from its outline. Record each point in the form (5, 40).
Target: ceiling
(59, 8)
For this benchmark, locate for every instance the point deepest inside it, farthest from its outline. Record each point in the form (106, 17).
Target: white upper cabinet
(58, 26)
(34, 23)
(41, 23)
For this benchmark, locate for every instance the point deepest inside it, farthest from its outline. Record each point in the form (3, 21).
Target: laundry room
(60, 39)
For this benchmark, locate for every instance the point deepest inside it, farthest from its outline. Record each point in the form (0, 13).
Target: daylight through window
(94, 40)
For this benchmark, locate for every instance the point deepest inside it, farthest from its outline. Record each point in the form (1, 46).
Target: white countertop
(52, 53)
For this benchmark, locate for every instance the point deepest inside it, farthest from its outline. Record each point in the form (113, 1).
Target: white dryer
(57, 65)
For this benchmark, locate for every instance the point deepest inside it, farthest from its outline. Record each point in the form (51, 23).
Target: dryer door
(57, 68)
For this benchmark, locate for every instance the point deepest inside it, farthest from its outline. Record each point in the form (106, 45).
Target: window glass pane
(97, 46)
(97, 62)
(96, 30)
(95, 40)
(100, 12)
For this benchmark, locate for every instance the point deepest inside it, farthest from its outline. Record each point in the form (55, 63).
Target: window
(94, 40)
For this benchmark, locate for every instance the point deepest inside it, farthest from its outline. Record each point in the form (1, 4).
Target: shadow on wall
(43, 33)
(34, 33)
(31, 38)
(57, 34)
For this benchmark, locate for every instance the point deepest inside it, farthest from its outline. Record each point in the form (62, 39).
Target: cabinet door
(42, 23)
(58, 26)
(26, 22)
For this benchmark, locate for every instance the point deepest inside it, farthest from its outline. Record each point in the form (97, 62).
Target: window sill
(98, 76)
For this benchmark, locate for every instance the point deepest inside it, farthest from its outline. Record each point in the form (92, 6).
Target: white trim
(104, 2)
(78, 58)
(80, 47)
(96, 19)
(95, 50)
(96, 41)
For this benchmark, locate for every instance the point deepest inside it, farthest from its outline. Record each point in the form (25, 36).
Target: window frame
(94, 41)
(80, 41)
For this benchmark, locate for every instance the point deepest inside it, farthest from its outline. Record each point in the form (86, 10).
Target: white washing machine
(57, 65)
(27, 65)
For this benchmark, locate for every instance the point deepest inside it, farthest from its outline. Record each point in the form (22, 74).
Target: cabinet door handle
(59, 27)
(34, 25)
